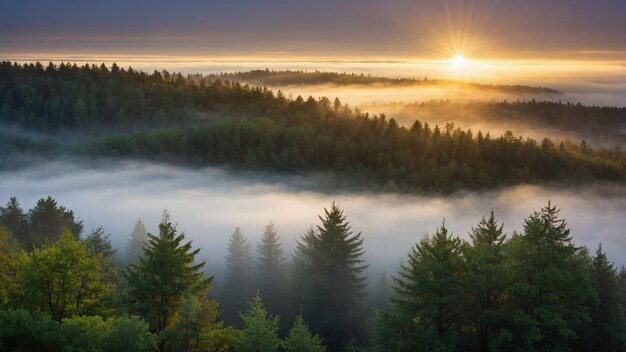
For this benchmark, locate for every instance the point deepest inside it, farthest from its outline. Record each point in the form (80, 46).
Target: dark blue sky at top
(377, 28)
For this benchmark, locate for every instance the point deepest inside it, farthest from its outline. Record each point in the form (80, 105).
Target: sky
(579, 29)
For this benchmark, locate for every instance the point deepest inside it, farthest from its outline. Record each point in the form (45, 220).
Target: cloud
(209, 203)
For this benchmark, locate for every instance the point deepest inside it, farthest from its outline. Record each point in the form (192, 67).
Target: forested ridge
(532, 290)
(274, 78)
(125, 113)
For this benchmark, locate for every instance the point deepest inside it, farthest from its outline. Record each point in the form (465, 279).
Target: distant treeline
(168, 118)
(273, 78)
(595, 122)
(529, 291)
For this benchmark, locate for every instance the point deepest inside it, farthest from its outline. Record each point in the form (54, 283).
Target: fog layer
(209, 203)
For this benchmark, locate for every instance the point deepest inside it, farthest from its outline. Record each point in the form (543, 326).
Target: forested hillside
(124, 113)
(525, 291)
(272, 78)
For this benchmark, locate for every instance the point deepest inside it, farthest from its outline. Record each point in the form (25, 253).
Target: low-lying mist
(209, 203)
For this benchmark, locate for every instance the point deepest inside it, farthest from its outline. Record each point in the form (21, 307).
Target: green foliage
(331, 260)
(15, 220)
(430, 295)
(129, 334)
(260, 332)
(179, 120)
(300, 339)
(99, 243)
(64, 279)
(10, 255)
(48, 220)
(85, 333)
(165, 273)
(21, 331)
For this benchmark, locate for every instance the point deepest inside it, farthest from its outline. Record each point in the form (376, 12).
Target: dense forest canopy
(520, 291)
(272, 78)
(117, 112)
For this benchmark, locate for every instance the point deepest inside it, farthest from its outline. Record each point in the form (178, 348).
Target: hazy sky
(432, 28)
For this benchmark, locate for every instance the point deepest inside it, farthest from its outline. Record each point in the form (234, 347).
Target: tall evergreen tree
(271, 269)
(238, 288)
(428, 307)
(136, 241)
(332, 260)
(165, 273)
(607, 317)
(551, 288)
(487, 278)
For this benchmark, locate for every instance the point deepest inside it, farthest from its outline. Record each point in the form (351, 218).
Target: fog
(209, 203)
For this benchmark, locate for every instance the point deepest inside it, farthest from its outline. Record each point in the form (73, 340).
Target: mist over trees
(522, 291)
(168, 117)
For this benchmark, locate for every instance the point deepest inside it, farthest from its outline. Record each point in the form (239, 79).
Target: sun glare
(459, 59)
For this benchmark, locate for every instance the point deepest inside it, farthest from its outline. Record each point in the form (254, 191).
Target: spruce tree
(238, 288)
(487, 278)
(165, 273)
(260, 332)
(607, 320)
(99, 243)
(15, 221)
(333, 303)
(429, 301)
(136, 241)
(300, 339)
(271, 269)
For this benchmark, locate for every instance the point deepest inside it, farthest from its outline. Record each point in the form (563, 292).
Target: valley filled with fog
(208, 204)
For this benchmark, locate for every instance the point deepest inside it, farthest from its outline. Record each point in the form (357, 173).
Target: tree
(260, 332)
(271, 269)
(332, 260)
(428, 307)
(99, 243)
(487, 278)
(10, 254)
(21, 330)
(300, 339)
(47, 221)
(548, 300)
(607, 317)
(165, 273)
(15, 220)
(129, 334)
(136, 241)
(238, 288)
(64, 279)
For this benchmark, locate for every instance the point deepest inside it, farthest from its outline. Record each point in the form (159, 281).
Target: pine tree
(99, 243)
(260, 332)
(429, 303)
(487, 277)
(271, 269)
(332, 262)
(607, 316)
(551, 286)
(136, 241)
(238, 288)
(165, 273)
(300, 339)
(47, 221)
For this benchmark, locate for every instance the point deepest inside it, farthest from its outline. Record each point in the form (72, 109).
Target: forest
(66, 290)
(272, 78)
(96, 111)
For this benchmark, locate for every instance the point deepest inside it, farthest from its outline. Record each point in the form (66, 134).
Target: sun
(459, 59)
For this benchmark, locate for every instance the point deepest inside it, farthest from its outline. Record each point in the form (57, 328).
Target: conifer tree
(136, 241)
(15, 220)
(99, 243)
(260, 332)
(271, 269)
(238, 288)
(487, 277)
(165, 273)
(300, 339)
(332, 262)
(47, 221)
